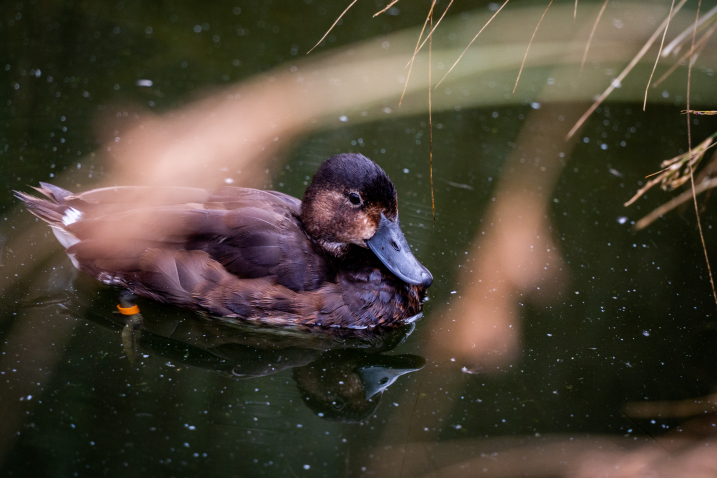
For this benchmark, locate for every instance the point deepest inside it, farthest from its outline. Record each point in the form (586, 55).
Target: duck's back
(253, 234)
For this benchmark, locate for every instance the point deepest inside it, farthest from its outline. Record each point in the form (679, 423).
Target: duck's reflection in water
(340, 373)
(346, 385)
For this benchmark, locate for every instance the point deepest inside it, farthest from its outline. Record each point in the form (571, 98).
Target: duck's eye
(355, 199)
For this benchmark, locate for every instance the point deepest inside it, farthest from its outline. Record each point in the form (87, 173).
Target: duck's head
(351, 200)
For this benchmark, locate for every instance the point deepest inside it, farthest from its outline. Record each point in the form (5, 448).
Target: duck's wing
(251, 233)
(259, 241)
(234, 197)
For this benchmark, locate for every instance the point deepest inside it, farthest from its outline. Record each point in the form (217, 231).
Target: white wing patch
(65, 238)
(74, 261)
(71, 216)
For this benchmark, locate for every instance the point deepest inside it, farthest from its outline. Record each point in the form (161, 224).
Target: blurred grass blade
(530, 43)
(680, 39)
(699, 46)
(415, 51)
(623, 74)
(592, 33)
(471, 42)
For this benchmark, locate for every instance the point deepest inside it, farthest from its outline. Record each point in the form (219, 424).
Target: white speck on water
(306, 467)
(145, 83)
(622, 219)
(343, 118)
(405, 170)
(535, 105)
(645, 333)
(229, 180)
(550, 335)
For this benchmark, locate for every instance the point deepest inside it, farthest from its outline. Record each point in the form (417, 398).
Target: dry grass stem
(702, 236)
(701, 113)
(689, 141)
(664, 34)
(471, 42)
(623, 74)
(592, 33)
(332, 26)
(689, 123)
(430, 112)
(575, 12)
(698, 48)
(525, 57)
(673, 203)
(430, 34)
(408, 432)
(676, 171)
(394, 2)
(680, 39)
(415, 51)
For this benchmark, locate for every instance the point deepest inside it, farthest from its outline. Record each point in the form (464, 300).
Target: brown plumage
(255, 255)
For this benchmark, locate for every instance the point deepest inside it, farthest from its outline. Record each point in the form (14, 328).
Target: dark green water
(630, 320)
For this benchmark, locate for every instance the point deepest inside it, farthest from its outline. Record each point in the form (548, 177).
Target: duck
(337, 258)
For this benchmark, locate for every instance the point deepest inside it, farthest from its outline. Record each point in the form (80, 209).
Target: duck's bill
(390, 246)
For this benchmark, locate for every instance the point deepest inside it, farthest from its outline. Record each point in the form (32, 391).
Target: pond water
(595, 352)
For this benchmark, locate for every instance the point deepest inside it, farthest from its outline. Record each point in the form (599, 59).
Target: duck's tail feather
(48, 211)
(55, 211)
(56, 193)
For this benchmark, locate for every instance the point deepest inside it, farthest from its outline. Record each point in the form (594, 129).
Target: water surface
(618, 317)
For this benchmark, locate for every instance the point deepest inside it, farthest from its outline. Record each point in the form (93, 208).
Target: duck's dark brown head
(351, 200)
